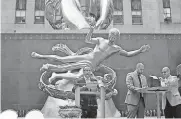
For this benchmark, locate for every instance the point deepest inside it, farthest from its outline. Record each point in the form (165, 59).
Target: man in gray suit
(171, 99)
(135, 100)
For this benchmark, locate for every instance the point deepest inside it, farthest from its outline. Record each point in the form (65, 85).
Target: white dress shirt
(172, 95)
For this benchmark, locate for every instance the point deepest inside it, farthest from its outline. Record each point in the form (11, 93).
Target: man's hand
(144, 48)
(164, 83)
(138, 89)
(161, 79)
(141, 90)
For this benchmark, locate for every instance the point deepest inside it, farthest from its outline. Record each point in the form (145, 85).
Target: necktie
(140, 81)
(141, 95)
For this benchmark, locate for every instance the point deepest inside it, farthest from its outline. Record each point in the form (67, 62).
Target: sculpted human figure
(104, 49)
(102, 9)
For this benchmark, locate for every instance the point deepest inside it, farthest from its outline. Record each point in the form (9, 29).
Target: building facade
(130, 16)
(25, 30)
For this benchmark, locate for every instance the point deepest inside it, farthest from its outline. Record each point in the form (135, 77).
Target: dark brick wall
(20, 72)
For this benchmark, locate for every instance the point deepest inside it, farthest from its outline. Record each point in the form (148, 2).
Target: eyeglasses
(164, 72)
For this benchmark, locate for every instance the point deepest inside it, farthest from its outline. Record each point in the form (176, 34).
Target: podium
(157, 91)
(101, 93)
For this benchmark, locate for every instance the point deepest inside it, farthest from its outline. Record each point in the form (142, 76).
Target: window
(39, 11)
(20, 13)
(118, 12)
(167, 11)
(136, 12)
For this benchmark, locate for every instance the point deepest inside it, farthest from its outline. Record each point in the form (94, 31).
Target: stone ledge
(81, 36)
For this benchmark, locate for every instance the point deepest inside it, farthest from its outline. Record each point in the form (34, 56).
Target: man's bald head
(166, 72)
(140, 68)
(166, 69)
(139, 65)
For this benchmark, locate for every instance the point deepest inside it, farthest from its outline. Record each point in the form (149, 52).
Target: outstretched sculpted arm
(106, 13)
(89, 38)
(144, 48)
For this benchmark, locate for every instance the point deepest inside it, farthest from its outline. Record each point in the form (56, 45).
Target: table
(157, 91)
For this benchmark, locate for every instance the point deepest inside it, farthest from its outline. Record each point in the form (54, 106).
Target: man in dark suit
(88, 102)
(134, 99)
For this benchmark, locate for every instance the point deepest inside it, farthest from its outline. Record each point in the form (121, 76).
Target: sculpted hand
(144, 48)
(92, 28)
(115, 92)
(109, 95)
(91, 21)
(45, 67)
(35, 55)
(99, 22)
(51, 86)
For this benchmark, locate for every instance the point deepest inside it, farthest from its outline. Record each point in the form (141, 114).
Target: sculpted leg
(65, 59)
(66, 67)
(49, 57)
(68, 76)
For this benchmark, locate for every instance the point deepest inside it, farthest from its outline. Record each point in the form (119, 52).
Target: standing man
(135, 100)
(88, 102)
(172, 98)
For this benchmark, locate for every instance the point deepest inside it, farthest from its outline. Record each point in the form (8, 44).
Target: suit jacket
(86, 101)
(172, 95)
(133, 83)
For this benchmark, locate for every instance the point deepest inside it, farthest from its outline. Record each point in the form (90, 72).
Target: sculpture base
(70, 112)
(51, 107)
(110, 109)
